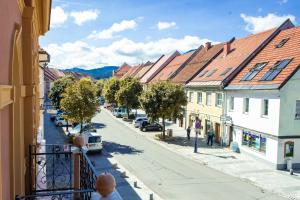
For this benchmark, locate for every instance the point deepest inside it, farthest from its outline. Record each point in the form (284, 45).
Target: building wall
(289, 94)
(205, 112)
(21, 24)
(253, 119)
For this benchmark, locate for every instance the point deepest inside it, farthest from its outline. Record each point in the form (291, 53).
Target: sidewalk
(242, 165)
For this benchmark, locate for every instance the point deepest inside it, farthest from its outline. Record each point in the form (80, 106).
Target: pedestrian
(188, 132)
(197, 131)
(210, 137)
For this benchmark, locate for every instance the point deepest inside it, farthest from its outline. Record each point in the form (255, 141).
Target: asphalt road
(169, 175)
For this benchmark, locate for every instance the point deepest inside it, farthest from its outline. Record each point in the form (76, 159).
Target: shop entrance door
(217, 132)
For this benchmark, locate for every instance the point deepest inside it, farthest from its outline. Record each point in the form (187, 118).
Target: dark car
(147, 126)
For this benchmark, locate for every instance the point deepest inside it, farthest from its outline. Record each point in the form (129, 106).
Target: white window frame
(191, 94)
(199, 94)
(217, 100)
(263, 104)
(231, 104)
(244, 105)
(208, 103)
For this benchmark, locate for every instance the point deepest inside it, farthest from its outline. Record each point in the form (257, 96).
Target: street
(169, 175)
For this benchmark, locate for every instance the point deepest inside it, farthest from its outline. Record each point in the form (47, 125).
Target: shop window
(256, 142)
(289, 149)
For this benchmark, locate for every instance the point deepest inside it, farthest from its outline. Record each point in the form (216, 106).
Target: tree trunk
(127, 112)
(81, 126)
(164, 131)
(67, 125)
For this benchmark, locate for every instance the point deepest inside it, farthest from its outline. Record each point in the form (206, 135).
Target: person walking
(197, 131)
(210, 137)
(188, 133)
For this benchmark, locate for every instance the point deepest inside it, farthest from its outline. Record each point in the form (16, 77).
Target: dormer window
(254, 71)
(203, 73)
(226, 71)
(282, 42)
(274, 71)
(211, 73)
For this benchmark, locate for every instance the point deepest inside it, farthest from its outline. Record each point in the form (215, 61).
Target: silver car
(138, 121)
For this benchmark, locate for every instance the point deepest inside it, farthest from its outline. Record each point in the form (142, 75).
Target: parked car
(120, 112)
(93, 142)
(138, 121)
(60, 121)
(146, 126)
(101, 101)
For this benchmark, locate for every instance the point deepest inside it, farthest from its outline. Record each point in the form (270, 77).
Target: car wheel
(59, 124)
(160, 129)
(144, 129)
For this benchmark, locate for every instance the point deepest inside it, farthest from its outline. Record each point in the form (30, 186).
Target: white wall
(253, 119)
(289, 94)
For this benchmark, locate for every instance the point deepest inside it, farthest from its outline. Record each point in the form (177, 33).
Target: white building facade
(265, 121)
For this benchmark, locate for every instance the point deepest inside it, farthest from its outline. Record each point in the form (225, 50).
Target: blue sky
(95, 33)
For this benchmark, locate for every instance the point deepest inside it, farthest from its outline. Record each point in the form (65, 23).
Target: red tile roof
(201, 59)
(122, 70)
(131, 70)
(240, 50)
(142, 70)
(271, 54)
(158, 66)
(167, 72)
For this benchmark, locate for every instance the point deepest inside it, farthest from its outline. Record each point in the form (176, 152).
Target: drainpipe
(223, 113)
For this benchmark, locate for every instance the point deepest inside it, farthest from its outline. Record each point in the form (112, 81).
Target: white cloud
(80, 53)
(165, 25)
(81, 17)
(58, 16)
(282, 1)
(261, 23)
(115, 28)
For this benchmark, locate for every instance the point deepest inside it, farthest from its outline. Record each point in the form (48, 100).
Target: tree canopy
(58, 89)
(128, 94)
(100, 85)
(163, 100)
(110, 89)
(80, 102)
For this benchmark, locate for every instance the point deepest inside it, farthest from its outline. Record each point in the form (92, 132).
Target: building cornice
(6, 95)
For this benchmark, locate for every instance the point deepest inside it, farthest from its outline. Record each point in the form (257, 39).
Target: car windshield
(94, 139)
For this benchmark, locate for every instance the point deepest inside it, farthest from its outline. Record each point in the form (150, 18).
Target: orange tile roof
(240, 50)
(200, 60)
(271, 54)
(122, 70)
(130, 71)
(172, 67)
(159, 65)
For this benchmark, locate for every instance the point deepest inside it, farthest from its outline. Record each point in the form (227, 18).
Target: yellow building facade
(22, 23)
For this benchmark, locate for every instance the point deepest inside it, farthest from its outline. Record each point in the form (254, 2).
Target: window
(191, 94)
(246, 105)
(208, 98)
(231, 103)
(211, 73)
(265, 107)
(252, 73)
(203, 73)
(274, 71)
(282, 42)
(226, 71)
(254, 141)
(297, 115)
(199, 97)
(219, 99)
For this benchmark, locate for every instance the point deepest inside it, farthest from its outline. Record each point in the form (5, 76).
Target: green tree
(80, 102)
(58, 89)
(100, 85)
(128, 94)
(110, 89)
(163, 100)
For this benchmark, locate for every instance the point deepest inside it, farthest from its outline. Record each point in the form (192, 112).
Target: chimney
(227, 48)
(207, 45)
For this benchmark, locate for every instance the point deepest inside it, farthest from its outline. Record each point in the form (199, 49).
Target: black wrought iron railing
(52, 174)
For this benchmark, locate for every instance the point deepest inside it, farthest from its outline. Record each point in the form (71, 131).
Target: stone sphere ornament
(105, 184)
(78, 141)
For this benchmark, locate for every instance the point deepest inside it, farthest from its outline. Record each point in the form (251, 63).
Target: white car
(138, 121)
(59, 121)
(92, 141)
(86, 127)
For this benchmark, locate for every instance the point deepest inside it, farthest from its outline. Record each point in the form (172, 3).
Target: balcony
(60, 172)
